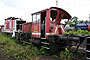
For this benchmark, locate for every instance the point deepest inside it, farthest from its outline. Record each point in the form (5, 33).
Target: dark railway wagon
(83, 26)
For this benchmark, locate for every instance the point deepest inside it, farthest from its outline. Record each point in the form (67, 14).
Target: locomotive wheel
(53, 45)
(17, 36)
(57, 44)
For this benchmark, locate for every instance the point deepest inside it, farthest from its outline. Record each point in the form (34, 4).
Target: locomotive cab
(49, 22)
(59, 19)
(47, 25)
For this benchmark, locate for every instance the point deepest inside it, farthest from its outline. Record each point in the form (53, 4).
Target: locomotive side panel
(9, 25)
(12, 25)
(26, 27)
(36, 25)
(36, 30)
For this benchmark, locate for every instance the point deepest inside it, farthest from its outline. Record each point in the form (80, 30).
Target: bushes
(66, 55)
(79, 32)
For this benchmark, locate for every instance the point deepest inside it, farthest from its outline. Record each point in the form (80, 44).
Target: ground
(3, 56)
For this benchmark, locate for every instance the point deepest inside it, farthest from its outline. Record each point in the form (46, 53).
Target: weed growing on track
(66, 55)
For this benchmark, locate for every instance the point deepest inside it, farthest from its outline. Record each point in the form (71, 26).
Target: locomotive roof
(13, 18)
(27, 23)
(1, 25)
(53, 8)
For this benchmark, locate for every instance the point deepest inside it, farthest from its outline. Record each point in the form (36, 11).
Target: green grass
(66, 55)
(12, 48)
(79, 32)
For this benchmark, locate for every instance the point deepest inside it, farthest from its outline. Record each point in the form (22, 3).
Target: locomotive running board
(87, 58)
(43, 38)
(45, 47)
(45, 43)
(87, 51)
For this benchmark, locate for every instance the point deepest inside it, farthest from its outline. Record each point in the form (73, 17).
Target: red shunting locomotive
(46, 29)
(12, 25)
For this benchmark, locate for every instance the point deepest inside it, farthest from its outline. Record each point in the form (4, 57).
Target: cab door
(43, 24)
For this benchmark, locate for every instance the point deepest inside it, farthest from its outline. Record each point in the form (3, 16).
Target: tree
(73, 21)
(81, 21)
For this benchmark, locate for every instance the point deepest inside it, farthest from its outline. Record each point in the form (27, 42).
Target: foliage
(13, 48)
(19, 51)
(82, 21)
(66, 55)
(73, 21)
(43, 51)
(79, 32)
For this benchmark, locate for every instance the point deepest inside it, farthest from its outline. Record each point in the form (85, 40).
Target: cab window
(64, 19)
(53, 14)
(36, 18)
